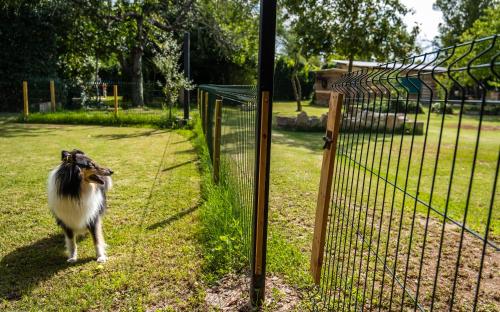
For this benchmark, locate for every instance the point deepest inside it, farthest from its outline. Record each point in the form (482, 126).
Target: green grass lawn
(146, 117)
(290, 109)
(295, 171)
(150, 226)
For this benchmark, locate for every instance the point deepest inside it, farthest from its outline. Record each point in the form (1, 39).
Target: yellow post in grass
(115, 94)
(25, 99)
(52, 96)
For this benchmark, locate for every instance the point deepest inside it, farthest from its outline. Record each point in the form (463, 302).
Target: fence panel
(414, 222)
(237, 148)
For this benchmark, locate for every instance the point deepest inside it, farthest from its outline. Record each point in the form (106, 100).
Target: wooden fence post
(25, 99)
(325, 185)
(200, 97)
(52, 96)
(205, 114)
(217, 135)
(115, 94)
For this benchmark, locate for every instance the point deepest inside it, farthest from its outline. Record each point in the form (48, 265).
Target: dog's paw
(102, 259)
(71, 260)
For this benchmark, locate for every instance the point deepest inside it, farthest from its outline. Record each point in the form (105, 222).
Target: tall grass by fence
(237, 147)
(413, 222)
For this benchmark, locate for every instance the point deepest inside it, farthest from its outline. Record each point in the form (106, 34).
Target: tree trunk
(299, 90)
(350, 64)
(296, 92)
(137, 79)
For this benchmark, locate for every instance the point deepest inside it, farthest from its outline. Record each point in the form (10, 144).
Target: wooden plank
(115, 94)
(323, 92)
(218, 125)
(52, 96)
(25, 99)
(325, 185)
(198, 99)
(264, 137)
(205, 114)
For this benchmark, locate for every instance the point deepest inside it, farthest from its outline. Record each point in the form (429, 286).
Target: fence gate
(413, 221)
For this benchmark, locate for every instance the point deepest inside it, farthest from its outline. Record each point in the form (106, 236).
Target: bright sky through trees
(427, 19)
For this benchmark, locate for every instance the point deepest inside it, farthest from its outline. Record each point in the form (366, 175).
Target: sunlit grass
(150, 226)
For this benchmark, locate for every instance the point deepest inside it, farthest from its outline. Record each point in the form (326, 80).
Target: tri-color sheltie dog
(77, 197)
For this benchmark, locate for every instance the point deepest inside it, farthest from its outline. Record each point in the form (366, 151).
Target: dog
(77, 198)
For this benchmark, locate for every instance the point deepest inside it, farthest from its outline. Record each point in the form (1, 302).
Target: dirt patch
(232, 294)
(387, 262)
(474, 127)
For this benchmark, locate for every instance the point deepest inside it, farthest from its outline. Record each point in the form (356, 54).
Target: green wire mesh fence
(414, 219)
(237, 147)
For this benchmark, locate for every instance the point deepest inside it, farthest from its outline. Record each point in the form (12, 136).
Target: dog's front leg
(100, 246)
(71, 245)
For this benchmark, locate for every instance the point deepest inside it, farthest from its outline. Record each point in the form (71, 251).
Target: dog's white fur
(78, 213)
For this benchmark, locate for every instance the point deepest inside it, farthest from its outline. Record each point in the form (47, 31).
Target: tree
(352, 28)
(141, 25)
(486, 25)
(30, 33)
(293, 58)
(167, 64)
(224, 38)
(458, 16)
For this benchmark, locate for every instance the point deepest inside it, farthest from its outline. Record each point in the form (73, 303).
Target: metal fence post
(217, 135)
(187, 73)
(267, 40)
(25, 99)
(52, 96)
(325, 185)
(115, 94)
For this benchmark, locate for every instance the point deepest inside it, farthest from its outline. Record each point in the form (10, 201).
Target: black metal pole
(267, 40)
(187, 72)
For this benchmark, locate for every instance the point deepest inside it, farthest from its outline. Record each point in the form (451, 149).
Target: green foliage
(29, 32)
(283, 88)
(486, 25)
(440, 106)
(458, 16)
(167, 64)
(220, 234)
(376, 28)
(224, 38)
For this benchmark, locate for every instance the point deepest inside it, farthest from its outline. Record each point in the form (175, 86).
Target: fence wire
(237, 149)
(414, 222)
(90, 96)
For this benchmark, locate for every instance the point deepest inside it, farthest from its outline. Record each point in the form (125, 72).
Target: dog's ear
(77, 151)
(65, 155)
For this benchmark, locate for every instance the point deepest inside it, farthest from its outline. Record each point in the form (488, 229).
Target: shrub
(438, 108)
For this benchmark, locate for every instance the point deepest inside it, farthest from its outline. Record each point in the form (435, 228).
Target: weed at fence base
(220, 233)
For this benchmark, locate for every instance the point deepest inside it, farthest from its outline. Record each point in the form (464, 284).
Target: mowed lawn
(296, 165)
(150, 226)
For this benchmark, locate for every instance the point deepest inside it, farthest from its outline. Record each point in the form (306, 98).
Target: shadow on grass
(310, 140)
(118, 136)
(179, 165)
(22, 269)
(11, 130)
(173, 218)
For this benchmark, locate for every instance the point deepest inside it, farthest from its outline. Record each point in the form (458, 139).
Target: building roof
(367, 64)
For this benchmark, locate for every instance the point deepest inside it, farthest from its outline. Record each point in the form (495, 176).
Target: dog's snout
(110, 172)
